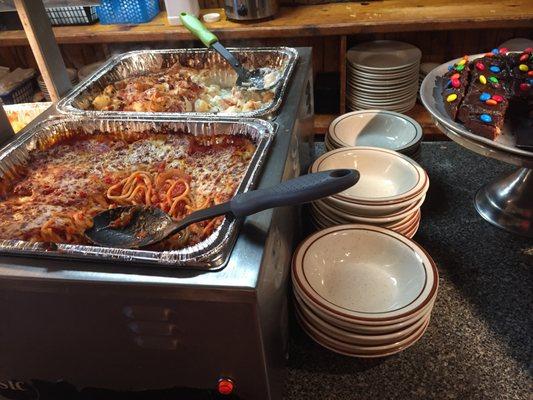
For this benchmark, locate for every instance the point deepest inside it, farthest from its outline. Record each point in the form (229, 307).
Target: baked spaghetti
(55, 197)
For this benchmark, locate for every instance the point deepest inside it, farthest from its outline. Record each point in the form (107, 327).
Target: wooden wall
(436, 46)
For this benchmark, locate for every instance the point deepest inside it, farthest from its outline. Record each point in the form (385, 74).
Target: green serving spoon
(256, 79)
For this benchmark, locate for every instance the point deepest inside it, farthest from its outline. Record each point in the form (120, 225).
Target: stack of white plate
(363, 291)
(390, 191)
(382, 74)
(375, 128)
(72, 75)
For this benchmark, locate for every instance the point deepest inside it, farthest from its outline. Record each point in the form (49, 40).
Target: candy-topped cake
(484, 92)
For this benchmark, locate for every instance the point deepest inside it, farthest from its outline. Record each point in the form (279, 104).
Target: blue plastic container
(127, 11)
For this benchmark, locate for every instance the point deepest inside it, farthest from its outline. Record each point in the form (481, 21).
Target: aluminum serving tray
(138, 62)
(209, 254)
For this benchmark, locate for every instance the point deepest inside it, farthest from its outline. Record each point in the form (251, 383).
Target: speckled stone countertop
(479, 341)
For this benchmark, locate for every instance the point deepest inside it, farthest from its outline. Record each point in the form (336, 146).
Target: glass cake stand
(507, 202)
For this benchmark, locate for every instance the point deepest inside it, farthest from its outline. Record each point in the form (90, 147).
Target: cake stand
(507, 202)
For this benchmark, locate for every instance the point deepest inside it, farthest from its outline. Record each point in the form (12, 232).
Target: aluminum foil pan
(138, 62)
(208, 254)
(23, 113)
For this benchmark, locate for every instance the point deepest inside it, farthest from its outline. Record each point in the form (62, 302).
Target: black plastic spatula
(139, 226)
(255, 79)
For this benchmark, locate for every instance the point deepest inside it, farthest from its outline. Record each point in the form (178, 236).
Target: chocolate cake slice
(521, 69)
(454, 87)
(497, 86)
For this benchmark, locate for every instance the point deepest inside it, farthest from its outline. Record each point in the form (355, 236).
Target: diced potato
(201, 106)
(109, 90)
(101, 101)
(137, 106)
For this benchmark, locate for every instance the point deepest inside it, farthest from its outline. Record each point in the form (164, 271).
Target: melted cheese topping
(65, 185)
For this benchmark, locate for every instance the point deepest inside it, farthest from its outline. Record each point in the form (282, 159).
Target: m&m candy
(497, 97)
(524, 86)
(493, 79)
(462, 62)
(451, 97)
(460, 67)
(524, 57)
(495, 69)
(530, 73)
(504, 50)
(523, 67)
(486, 118)
(450, 67)
(491, 102)
(482, 79)
(456, 83)
(529, 50)
(484, 96)
(480, 66)
(455, 76)
(495, 51)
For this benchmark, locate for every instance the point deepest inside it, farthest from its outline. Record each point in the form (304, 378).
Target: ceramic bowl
(376, 128)
(325, 220)
(339, 346)
(351, 337)
(374, 210)
(341, 215)
(356, 327)
(387, 177)
(366, 273)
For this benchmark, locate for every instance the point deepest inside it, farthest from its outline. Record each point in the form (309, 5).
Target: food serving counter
(95, 326)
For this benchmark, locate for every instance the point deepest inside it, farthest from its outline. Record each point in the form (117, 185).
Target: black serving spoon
(139, 226)
(250, 79)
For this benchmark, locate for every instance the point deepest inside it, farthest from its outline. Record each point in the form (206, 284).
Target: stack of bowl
(382, 74)
(363, 291)
(389, 193)
(375, 128)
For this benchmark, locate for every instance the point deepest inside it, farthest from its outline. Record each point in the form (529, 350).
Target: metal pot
(245, 10)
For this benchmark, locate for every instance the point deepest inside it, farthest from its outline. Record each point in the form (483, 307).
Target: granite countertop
(479, 342)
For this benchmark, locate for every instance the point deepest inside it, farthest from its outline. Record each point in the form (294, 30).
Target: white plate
(371, 83)
(383, 55)
(400, 109)
(382, 92)
(366, 273)
(384, 102)
(410, 73)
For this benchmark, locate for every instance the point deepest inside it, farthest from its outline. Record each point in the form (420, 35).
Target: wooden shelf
(335, 19)
(418, 113)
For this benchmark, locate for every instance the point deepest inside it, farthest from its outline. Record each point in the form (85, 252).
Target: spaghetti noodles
(64, 186)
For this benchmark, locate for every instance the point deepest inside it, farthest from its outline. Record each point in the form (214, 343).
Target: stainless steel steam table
(124, 328)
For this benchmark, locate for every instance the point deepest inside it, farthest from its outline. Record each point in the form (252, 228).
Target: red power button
(225, 386)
